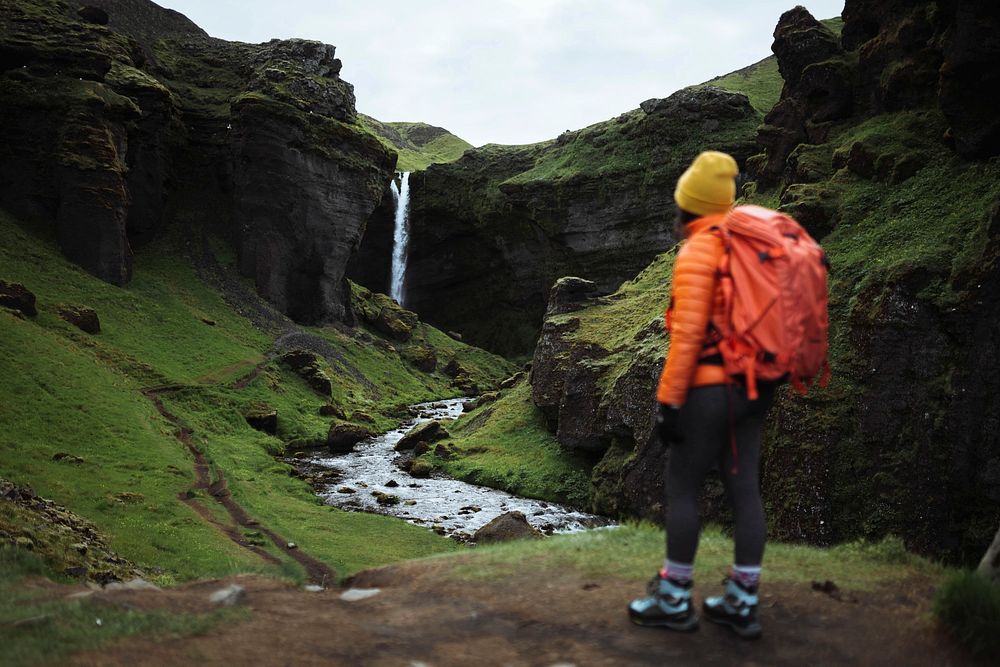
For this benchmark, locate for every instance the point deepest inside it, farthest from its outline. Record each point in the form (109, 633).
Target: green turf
(635, 551)
(39, 627)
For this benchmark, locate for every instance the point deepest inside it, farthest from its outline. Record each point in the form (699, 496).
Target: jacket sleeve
(693, 294)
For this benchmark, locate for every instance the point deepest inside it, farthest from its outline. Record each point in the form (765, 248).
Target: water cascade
(400, 236)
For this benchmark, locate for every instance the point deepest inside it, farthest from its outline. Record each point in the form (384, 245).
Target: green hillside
(77, 427)
(419, 145)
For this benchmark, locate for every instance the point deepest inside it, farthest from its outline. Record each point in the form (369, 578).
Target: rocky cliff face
(492, 231)
(905, 439)
(124, 117)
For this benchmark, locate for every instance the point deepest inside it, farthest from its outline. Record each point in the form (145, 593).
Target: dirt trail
(317, 571)
(424, 615)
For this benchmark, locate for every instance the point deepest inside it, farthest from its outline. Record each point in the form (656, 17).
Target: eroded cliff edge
(120, 119)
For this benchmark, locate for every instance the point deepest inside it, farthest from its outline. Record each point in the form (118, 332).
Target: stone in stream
(506, 527)
(342, 438)
(428, 432)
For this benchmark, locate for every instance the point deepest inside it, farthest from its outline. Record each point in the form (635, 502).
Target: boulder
(506, 527)
(81, 317)
(454, 369)
(331, 410)
(17, 297)
(425, 433)
(262, 418)
(422, 358)
(311, 368)
(386, 499)
(342, 438)
(421, 469)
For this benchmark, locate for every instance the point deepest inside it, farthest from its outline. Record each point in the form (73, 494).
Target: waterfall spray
(400, 236)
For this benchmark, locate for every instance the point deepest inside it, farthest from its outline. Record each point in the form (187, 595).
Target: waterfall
(400, 236)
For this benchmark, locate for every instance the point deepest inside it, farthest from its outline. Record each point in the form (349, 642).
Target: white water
(400, 236)
(449, 506)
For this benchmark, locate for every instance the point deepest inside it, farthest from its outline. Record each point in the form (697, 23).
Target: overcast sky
(512, 71)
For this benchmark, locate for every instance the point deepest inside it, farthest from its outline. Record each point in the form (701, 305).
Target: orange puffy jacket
(697, 299)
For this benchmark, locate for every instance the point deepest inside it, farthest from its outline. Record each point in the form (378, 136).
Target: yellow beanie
(709, 184)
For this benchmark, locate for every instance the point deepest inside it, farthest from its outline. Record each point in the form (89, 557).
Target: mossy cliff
(491, 231)
(122, 120)
(905, 438)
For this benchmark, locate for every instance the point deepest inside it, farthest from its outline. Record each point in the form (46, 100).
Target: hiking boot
(736, 607)
(668, 605)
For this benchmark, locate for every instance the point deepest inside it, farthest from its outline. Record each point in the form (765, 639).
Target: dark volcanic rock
(93, 14)
(506, 527)
(311, 368)
(343, 437)
(262, 418)
(82, 318)
(818, 88)
(970, 79)
(267, 148)
(569, 294)
(333, 174)
(425, 433)
(17, 297)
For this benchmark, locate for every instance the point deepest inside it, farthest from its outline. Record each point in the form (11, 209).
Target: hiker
(715, 389)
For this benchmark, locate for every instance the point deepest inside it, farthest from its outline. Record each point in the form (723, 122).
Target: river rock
(421, 469)
(426, 433)
(506, 527)
(343, 437)
(17, 297)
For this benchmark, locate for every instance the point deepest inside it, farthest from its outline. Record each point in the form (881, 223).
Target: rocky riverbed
(368, 480)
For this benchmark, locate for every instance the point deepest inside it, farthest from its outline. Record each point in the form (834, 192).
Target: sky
(512, 71)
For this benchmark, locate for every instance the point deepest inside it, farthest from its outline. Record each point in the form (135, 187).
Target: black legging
(705, 423)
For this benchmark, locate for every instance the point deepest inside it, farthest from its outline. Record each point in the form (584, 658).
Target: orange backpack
(773, 277)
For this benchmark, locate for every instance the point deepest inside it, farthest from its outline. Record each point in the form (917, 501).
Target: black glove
(668, 424)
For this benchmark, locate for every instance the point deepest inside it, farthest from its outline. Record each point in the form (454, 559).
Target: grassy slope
(415, 155)
(762, 82)
(80, 394)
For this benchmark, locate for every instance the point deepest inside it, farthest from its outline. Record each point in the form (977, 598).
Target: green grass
(969, 605)
(80, 394)
(38, 625)
(505, 445)
(635, 551)
(418, 145)
(760, 82)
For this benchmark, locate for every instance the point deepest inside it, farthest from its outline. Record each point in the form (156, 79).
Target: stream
(445, 505)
